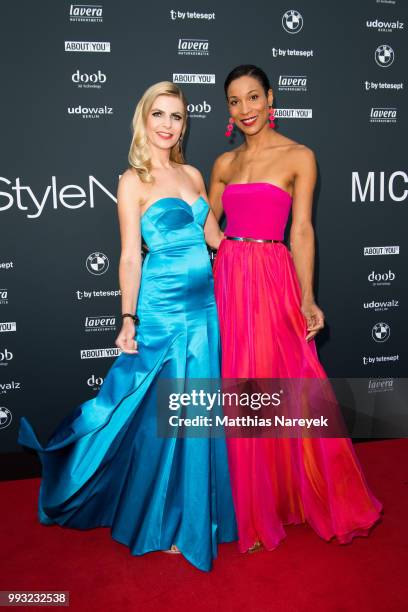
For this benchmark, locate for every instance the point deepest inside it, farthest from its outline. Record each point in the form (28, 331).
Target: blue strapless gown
(104, 465)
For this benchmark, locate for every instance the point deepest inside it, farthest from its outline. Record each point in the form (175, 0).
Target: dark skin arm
(217, 185)
(302, 243)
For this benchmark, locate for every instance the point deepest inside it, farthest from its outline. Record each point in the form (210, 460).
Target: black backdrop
(65, 133)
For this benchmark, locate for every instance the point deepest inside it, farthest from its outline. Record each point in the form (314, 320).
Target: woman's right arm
(130, 263)
(217, 186)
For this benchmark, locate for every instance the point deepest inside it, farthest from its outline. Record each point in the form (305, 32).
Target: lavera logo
(3, 296)
(193, 46)
(383, 115)
(100, 324)
(292, 83)
(54, 197)
(86, 13)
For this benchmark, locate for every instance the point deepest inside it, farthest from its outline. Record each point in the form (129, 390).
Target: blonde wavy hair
(139, 152)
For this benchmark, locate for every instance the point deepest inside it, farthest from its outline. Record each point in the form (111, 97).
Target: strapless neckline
(175, 198)
(259, 183)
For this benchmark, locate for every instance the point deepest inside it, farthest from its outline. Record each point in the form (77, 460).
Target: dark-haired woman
(269, 318)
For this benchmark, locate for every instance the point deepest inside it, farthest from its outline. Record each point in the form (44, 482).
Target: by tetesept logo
(292, 22)
(384, 56)
(174, 15)
(375, 85)
(86, 13)
(278, 52)
(97, 263)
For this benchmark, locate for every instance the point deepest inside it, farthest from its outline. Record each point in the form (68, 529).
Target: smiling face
(248, 104)
(165, 121)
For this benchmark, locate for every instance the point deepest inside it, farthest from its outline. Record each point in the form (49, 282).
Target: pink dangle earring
(272, 123)
(230, 127)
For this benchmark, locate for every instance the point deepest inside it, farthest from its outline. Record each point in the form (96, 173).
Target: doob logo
(200, 110)
(5, 356)
(85, 80)
(381, 278)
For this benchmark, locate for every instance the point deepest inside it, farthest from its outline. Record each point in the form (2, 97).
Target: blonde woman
(106, 465)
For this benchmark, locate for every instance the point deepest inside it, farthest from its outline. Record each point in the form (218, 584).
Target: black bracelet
(135, 318)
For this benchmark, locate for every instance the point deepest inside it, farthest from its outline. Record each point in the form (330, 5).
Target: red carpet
(303, 574)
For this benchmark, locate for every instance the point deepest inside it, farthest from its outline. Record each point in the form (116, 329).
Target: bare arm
(212, 233)
(130, 263)
(217, 186)
(302, 242)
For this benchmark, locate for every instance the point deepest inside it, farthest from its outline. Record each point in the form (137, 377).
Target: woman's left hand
(314, 318)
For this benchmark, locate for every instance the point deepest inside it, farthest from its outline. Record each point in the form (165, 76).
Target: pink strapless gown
(278, 481)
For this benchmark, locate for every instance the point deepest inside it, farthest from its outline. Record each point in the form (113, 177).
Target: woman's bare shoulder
(130, 177)
(224, 161)
(131, 185)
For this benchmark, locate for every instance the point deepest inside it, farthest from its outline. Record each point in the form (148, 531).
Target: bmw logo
(5, 417)
(292, 22)
(384, 56)
(97, 263)
(381, 332)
